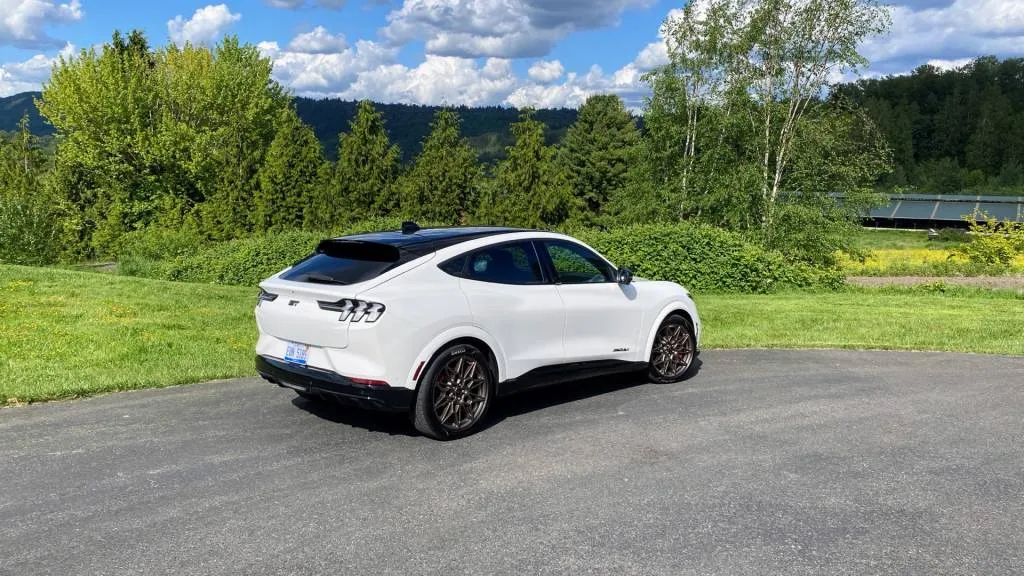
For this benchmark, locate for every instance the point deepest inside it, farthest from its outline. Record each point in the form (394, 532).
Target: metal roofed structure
(942, 211)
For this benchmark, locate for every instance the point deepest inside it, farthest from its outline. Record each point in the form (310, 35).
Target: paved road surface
(763, 463)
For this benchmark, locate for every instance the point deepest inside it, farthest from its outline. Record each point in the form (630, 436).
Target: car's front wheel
(455, 393)
(673, 351)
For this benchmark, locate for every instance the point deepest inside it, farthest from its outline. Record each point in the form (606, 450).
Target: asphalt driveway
(802, 462)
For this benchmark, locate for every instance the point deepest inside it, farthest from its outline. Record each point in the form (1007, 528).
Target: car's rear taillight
(357, 310)
(265, 296)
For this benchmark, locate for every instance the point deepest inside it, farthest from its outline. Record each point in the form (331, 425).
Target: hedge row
(702, 258)
(705, 259)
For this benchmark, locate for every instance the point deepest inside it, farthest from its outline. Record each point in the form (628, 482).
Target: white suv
(440, 322)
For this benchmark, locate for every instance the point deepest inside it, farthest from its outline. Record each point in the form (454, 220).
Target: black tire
(455, 393)
(673, 352)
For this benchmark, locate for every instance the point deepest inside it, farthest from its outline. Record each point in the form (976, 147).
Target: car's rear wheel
(673, 351)
(455, 393)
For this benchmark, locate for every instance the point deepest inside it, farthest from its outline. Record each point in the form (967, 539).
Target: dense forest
(486, 129)
(186, 145)
(951, 131)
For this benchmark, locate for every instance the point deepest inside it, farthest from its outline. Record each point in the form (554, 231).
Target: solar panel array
(935, 208)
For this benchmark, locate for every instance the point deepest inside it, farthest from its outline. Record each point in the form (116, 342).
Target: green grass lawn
(65, 334)
(883, 238)
(960, 320)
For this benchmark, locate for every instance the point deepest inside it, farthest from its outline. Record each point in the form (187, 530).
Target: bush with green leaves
(247, 261)
(29, 231)
(30, 228)
(706, 259)
(994, 243)
(701, 257)
(146, 252)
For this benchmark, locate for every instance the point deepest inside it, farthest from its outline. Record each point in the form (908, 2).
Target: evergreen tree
(28, 216)
(530, 190)
(289, 175)
(950, 128)
(364, 179)
(596, 151)
(441, 187)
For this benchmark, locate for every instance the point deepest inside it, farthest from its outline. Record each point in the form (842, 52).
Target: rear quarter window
(342, 263)
(324, 269)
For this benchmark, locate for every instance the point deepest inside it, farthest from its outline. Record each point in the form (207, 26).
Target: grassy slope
(65, 334)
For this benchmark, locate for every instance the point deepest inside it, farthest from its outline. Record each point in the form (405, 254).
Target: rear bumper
(315, 380)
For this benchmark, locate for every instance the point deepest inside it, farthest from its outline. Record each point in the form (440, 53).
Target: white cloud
(370, 70)
(206, 25)
(295, 4)
(545, 72)
(653, 55)
(322, 73)
(950, 64)
(318, 41)
(502, 28)
(625, 82)
(448, 80)
(23, 22)
(30, 74)
(959, 30)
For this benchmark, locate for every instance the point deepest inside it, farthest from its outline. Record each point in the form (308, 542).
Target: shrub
(700, 257)
(953, 235)
(29, 231)
(244, 261)
(704, 258)
(247, 261)
(995, 243)
(147, 252)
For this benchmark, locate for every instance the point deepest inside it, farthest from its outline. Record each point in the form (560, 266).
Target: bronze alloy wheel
(461, 392)
(673, 350)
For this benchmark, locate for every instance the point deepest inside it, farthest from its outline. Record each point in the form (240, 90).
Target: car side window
(513, 263)
(575, 264)
(455, 267)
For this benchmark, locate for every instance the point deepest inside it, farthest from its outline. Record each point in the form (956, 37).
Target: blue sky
(474, 52)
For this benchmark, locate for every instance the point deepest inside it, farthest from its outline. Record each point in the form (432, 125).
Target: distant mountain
(487, 129)
(12, 108)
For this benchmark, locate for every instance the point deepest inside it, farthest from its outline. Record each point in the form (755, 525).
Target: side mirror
(625, 276)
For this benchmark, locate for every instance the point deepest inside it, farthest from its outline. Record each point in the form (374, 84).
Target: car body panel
(530, 320)
(602, 321)
(526, 327)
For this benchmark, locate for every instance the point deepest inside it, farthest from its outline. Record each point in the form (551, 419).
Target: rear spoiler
(359, 250)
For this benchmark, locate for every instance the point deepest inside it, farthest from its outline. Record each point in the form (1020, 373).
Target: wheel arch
(672, 308)
(472, 335)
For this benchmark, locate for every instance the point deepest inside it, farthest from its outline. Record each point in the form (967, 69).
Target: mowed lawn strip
(65, 334)
(864, 318)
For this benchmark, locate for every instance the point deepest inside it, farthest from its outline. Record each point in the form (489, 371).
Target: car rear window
(346, 262)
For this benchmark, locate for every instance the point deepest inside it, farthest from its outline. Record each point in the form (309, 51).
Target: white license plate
(296, 353)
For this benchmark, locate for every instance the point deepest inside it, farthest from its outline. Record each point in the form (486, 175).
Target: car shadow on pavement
(565, 393)
(395, 424)
(398, 424)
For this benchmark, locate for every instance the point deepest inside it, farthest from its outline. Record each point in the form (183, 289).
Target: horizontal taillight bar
(265, 296)
(357, 310)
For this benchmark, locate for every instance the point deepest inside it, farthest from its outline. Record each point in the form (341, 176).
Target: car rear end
(321, 335)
